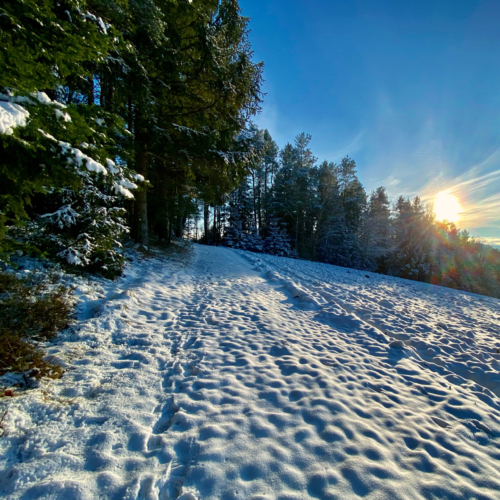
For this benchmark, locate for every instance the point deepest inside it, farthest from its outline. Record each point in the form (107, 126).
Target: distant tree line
(290, 205)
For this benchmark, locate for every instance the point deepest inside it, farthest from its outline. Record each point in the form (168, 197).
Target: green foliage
(162, 87)
(43, 173)
(183, 79)
(63, 153)
(45, 43)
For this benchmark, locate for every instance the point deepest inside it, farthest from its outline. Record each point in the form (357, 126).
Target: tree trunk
(219, 226)
(140, 228)
(266, 200)
(259, 205)
(169, 225)
(181, 226)
(206, 216)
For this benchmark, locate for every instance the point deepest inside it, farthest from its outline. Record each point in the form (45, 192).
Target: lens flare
(447, 207)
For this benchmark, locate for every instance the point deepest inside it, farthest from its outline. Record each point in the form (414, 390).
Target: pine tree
(328, 212)
(237, 233)
(413, 225)
(340, 243)
(269, 167)
(294, 193)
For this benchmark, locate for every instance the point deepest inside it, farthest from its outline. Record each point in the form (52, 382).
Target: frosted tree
(61, 191)
(277, 241)
(414, 227)
(294, 193)
(237, 233)
(339, 243)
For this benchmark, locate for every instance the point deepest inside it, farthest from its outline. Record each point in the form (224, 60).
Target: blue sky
(409, 89)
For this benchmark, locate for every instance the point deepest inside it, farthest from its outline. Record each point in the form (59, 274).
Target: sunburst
(447, 207)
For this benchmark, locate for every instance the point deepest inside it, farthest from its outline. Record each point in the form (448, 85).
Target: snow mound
(11, 116)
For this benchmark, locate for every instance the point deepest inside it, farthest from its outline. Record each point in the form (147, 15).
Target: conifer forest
(133, 120)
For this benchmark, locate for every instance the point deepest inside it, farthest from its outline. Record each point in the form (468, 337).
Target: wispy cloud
(477, 183)
(495, 242)
(347, 149)
(482, 213)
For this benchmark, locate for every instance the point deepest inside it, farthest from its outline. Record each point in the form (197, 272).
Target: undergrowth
(32, 310)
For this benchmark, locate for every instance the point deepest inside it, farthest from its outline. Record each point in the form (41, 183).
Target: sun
(447, 207)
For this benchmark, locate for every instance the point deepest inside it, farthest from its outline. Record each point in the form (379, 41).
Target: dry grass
(31, 310)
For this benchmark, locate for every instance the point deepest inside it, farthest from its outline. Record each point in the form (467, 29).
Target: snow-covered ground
(230, 375)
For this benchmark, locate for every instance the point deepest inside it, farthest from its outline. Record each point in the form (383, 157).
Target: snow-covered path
(242, 376)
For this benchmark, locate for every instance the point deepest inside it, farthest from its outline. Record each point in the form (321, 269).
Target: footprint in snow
(483, 427)
(375, 388)
(442, 423)
(279, 349)
(422, 390)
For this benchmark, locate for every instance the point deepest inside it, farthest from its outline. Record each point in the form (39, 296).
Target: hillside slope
(242, 376)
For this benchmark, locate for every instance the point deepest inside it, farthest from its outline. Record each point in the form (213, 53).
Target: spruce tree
(188, 90)
(57, 167)
(240, 224)
(277, 241)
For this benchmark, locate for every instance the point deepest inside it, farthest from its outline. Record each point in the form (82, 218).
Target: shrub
(31, 309)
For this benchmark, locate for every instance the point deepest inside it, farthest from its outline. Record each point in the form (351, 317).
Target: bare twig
(1, 423)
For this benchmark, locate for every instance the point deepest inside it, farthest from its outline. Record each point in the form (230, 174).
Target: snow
(120, 189)
(127, 184)
(222, 374)
(112, 166)
(11, 116)
(81, 159)
(41, 97)
(61, 115)
(97, 20)
(65, 216)
(47, 136)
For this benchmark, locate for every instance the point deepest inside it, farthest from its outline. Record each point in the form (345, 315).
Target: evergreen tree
(277, 241)
(269, 167)
(188, 90)
(340, 243)
(413, 227)
(59, 155)
(294, 193)
(240, 218)
(328, 211)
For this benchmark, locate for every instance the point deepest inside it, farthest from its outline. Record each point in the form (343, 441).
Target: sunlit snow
(11, 116)
(220, 374)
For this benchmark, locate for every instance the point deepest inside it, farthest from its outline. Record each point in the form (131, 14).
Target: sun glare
(447, 207)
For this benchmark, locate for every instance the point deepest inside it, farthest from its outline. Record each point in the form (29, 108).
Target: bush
(31, 309)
